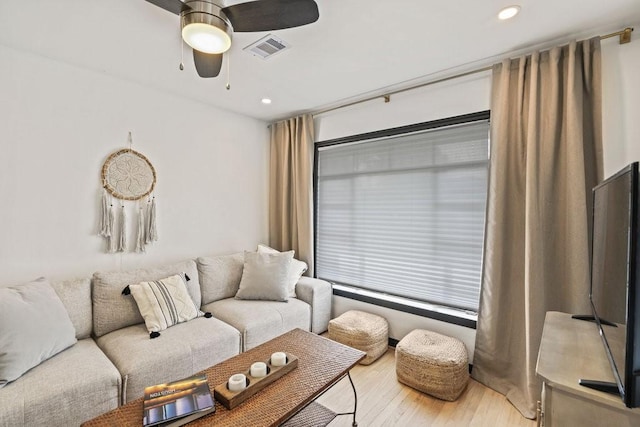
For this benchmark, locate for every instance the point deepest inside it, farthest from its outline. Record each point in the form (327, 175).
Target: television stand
(605, 386)
(591, 318)
(571, 349)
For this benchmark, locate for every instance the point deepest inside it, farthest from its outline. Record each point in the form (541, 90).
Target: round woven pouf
(433, 363)
(365, 331)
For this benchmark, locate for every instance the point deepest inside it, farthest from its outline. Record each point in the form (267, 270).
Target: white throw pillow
(164, 303)
(265, 276)
(298, 268)
(34, 326)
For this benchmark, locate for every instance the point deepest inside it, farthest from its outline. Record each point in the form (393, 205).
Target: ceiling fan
(208, 27)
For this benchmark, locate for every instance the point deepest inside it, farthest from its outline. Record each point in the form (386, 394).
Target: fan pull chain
(181, 49)
(130, 140)
(228, 86)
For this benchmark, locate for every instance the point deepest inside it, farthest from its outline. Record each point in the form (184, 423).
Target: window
(401, 212)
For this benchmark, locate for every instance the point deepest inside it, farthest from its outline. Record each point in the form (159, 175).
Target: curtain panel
(291, 188)
(546, 155)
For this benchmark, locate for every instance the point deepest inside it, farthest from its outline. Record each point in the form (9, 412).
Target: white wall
(621, 134)
(58, 124)
(621, 103)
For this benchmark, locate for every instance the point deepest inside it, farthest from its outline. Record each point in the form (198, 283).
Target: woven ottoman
(432, 363)
(365, 331)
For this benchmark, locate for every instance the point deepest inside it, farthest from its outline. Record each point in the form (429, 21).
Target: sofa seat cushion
(179, 352)
(260, 321)
(68, 389)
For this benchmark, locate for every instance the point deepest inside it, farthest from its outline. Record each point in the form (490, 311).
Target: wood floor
(383, 401)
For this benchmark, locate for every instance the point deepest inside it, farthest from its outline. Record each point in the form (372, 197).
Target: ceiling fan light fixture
(205, 27)
(206, 38)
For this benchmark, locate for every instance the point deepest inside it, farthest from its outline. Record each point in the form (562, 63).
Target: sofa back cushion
(76, 297)
(220, 276)
(113, 311)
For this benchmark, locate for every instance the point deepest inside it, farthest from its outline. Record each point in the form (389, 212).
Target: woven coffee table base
(313, 415)
(433, 363)
(365, 331)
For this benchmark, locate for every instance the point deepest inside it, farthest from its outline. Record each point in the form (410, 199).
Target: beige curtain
(545, 158)
(291, 188)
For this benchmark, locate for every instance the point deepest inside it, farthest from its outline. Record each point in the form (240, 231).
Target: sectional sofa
(114, 358)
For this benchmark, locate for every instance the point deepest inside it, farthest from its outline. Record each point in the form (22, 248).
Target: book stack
(177, 403)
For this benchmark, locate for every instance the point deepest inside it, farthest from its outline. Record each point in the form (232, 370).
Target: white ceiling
(357, 47)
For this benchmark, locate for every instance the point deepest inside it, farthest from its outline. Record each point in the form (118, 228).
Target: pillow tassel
(187, 278)
(208, 315)
(153, 335)
(126, 291)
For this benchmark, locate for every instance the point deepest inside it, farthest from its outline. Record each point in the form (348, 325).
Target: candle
(237, 382)
(278, 359)
(259, 369)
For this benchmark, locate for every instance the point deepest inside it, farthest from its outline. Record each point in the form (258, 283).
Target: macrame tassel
(147, 231)
(140, 241)
(122, 242)
(111, 240)
(105, 229)
(153, 233)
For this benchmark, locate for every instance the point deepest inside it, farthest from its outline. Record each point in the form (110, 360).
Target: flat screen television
(615, 281)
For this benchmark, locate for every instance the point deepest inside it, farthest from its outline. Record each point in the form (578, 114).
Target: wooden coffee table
(321, 364)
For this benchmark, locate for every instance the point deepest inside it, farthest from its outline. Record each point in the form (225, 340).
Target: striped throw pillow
(164, 303)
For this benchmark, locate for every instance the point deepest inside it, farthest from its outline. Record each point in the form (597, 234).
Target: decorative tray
(230, 399)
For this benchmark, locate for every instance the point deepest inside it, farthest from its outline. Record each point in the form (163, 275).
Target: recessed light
(266, 101)
(508, 12)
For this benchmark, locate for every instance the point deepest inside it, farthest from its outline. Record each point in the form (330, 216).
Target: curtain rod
(625, 37)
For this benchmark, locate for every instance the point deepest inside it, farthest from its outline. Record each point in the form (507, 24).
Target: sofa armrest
(318, 294)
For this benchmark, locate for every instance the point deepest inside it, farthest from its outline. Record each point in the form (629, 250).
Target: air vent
(267, 46)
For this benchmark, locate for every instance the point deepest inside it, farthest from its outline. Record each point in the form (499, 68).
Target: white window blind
(404, 215)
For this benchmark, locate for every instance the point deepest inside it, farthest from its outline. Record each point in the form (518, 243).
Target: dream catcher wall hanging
(127, 175)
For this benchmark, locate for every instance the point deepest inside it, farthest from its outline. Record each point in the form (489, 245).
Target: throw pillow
(164, 303)
(265, 276)
(112, 312)
(298, 268)
(34, 326)
(220, 276)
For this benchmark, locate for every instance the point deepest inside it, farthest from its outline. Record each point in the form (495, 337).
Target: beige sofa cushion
(181, 351)
(70, 388)
(34, 326)
(112, 310)
(164, 303)
(260, 321)
(265, 276)
(220, 276)
(76, 297)
(298, 268)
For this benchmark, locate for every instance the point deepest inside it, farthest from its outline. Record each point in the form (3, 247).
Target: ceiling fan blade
(173, 6)
(207, 64)
(267, 15)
